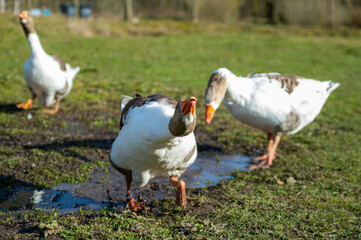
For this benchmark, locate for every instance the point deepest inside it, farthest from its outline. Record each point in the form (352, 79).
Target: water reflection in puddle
(210, 170)
(109, 186)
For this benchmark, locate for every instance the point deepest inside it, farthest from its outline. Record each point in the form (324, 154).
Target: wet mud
(66, 142)
(107, 187)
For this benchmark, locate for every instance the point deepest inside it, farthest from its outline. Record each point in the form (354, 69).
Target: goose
(155, 140)
(47, 77)
(275, 103)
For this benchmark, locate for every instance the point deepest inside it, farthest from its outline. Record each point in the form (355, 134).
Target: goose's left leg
(181, 191)
(28, 104)
(134, 206)
(271, 155)
(55, 109)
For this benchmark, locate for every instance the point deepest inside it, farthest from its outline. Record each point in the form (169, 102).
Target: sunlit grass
(322, 200)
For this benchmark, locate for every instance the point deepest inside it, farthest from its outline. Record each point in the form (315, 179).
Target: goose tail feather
(125, 100)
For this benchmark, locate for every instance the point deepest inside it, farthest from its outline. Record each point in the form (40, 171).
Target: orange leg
(132, 205)
(269, 147)
(181, 191)
(26, 105)
(271, 155)
(56, 108)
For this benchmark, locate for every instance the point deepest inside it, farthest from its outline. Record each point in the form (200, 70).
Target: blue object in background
(35, 12)
(67, 9)
(46, 12)
(84, 10)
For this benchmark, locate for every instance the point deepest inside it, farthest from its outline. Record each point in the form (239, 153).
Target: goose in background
(275, 103)
(47, 77)
(155, 140)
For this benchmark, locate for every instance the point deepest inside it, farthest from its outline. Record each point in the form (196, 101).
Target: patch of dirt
(45, 135)
(22, 230)
(53, 140)
(49, 138)
(209, 141)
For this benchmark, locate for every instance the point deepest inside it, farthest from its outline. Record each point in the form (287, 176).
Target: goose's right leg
(181, 191)
(269, 147)
(55, 109)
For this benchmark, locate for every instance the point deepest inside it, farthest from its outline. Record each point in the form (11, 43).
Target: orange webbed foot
(51, 111)
(265, 161)
(261, 164)
(55, 109)
(133, 206)
(259, 158)
(262, 158)
(25, 105)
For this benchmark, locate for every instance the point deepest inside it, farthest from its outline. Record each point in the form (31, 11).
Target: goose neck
(35, 46)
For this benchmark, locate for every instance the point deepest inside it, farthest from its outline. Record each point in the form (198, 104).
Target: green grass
(177, 58)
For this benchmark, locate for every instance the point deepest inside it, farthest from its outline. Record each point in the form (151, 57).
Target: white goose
(47, 77)
(155, 140)
(275, 103)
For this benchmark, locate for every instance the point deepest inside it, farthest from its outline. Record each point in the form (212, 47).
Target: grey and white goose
(155, 140)
(275, 103)
(47, 77)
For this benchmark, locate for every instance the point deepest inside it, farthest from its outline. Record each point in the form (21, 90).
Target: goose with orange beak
(155, 140)
(48, 77)
(275, 103)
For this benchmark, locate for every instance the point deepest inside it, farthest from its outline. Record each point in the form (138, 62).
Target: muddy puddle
(107, 187)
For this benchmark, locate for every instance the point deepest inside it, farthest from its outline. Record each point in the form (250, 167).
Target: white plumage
(146, 148)
(278, 104)
(47, 77)
(145, 145)
(261, 101)
(44, 75)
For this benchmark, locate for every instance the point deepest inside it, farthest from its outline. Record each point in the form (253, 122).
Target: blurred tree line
(301, 12)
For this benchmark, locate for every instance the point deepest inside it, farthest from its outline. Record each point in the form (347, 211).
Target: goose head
(216, 89)
(183, 121)
(26, 22)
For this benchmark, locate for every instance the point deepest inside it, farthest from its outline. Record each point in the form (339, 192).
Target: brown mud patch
(107, 187)
(67, 141)
(64, 143)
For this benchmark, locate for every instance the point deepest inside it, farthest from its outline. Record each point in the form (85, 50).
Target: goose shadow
(9, 108)
(101, 144)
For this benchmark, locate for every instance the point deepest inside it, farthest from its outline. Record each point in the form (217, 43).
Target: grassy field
(313, 190)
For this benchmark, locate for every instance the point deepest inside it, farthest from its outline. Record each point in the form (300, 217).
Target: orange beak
(209, 113)
(23, 15)
(188, 106)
